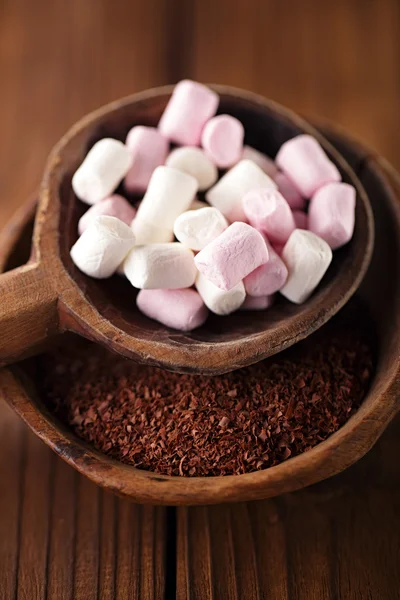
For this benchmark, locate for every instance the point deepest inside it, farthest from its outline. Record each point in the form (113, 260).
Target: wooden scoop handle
(28, 312)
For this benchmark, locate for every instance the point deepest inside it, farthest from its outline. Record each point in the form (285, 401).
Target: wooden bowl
(50, 295)
(381, 291)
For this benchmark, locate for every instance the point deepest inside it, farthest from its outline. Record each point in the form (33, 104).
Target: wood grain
(336, 60)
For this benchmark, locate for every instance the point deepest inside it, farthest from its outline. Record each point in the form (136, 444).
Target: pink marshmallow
(289, 191)
(257, 303)
(232, 255)
(305, 163)
(268, 210)
(181, 309)
(268, 278)
(188, 110)
(113, 206)
(149, 150)
(332, 213)
(301, 219)
(222, 140)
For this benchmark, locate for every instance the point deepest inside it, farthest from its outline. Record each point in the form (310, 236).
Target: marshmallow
(232, 255)
(268, 278)
(179, 309)
(332, 213)
(197, 228)
(289, 192)
(170, 193)
(305, 163)
(114, 206)
(194, 162)
(147, 233)
(267, 210)
(160, 266)
(222, 140)
(307, 258)
(257, 302)
(301, 219)
(188, 110)
(104, 167)
(148, 149)
(264, 162)
(227, 194)
(102, 247)
(196, 204)
(219, 301)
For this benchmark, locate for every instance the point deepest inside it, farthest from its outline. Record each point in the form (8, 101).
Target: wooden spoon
(380, 291)
(50, 296)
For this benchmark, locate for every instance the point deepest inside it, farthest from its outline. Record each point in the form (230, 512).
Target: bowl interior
(267, 127)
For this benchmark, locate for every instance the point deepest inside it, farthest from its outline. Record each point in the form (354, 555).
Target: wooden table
(60, 536)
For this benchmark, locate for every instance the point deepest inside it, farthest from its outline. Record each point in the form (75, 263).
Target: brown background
(60, 537)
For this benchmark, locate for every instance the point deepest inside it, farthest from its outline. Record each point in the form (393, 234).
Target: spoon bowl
(50, 295)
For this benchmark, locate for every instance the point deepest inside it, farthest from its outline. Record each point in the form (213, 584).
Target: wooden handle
(28, 312)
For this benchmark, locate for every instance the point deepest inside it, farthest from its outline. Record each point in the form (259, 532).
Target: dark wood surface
(60, 536)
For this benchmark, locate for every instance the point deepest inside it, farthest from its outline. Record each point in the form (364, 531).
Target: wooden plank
(193, 561)
(223, 565)
(310, 553)
(246, 568)
(270, 549)
(128, 551)
(12, 461)
(36, 491)
(87, 541)
(140, 552)
(367, 532)
(108, 546)
(215, 554)
(62, 517)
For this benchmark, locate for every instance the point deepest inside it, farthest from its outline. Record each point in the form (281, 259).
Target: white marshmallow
(102, 247)
(104, 167)
(170, 193)
(147, 233)
(227, 194)
(160, 266)
(262, 160)
(307, 258)
(219, 301)
(194, 162)
(197, 228)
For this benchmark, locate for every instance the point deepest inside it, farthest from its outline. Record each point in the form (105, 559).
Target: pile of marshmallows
(249, 240)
